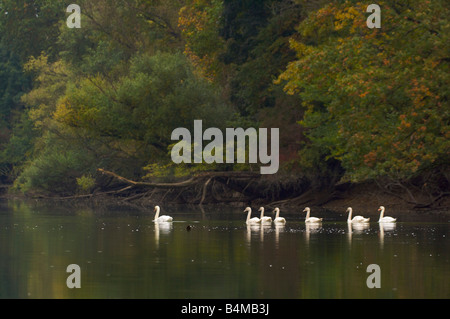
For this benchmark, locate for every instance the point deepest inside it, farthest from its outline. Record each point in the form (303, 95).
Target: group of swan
(263, 219)
(313, 220)
(362, 220)
(280, 220)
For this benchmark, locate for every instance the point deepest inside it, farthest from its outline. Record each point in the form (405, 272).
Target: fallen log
(185, 183)
(202, 180)
(189, 182)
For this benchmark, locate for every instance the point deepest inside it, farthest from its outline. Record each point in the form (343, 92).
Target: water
(122, 254)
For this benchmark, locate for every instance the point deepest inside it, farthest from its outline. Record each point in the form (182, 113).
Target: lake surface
(123, 254)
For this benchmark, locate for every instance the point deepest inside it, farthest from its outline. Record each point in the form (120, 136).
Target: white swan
(311, 220)
(161, 219)
(251, 221)
(356, 219)
(278, 219)
(386, 219)
(264, 219)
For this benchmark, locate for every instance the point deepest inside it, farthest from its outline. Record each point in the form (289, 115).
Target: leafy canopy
(376, 99)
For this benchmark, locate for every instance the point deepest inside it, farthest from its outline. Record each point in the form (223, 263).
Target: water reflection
(258, 231)
(311, 228)
(360, 227)
(251, 228)
(123, 254)
(264, 229)
(161, 228)
(388, 227)
(279, 228)
(356, 228)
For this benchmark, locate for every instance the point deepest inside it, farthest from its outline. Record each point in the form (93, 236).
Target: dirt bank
(239, 189)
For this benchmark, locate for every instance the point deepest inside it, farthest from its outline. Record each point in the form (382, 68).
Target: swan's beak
(379, 209)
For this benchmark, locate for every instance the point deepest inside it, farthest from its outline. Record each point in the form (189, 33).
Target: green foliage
(159, 94)
(13, 82)
(12, 85)
(381, 106)
(19, 147)
(170, 169)
(86, 183)
(55, 169)
(199, 25)
(371, 101)
(30, 27)
(262, 42)
(126, 122)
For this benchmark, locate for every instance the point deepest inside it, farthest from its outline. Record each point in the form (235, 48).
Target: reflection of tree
(357, 228)
(124, 256)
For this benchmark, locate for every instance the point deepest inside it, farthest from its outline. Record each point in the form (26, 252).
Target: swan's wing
(254, 220)
(314, 220)
(164, 219)
(360, 219)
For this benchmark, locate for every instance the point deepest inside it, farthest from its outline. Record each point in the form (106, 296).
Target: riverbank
(365, 198)
(123, 254)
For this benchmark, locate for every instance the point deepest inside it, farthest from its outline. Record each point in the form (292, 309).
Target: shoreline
(246, 188)
(359, 198)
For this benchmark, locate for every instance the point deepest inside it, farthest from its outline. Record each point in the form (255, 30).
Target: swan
(251, 221)
(311, 220)
(356, 219)
(278, 219)
(264, 219)
(386, 219)
(161, 219)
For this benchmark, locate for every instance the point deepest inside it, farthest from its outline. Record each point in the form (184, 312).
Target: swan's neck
(307, 214)
(262, 213)
(349, 214)
(157, 213)
(248, 215)
(277, 213)
(382, 213)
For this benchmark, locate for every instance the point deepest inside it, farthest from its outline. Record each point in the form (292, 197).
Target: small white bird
(264, 219)
(311, 220)
(251, 221)
(357, 219)
(161, 219)
(278, 219)
(386, 219)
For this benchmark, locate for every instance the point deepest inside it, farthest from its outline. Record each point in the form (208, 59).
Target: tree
(123, 124)
(376, 99)
(13, 82)
(29, 27)
(12, 85)
(199, 22)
